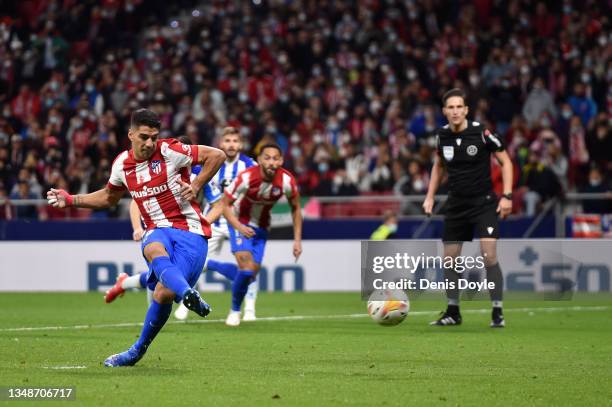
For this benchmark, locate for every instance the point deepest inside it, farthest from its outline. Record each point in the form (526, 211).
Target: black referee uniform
(471, 200)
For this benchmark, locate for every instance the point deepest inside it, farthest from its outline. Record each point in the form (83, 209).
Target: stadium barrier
(528, 265)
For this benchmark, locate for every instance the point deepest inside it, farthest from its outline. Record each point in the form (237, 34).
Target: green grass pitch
(551, 353)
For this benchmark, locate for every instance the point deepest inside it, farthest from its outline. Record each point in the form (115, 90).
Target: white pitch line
(300, 318)
(64, 367)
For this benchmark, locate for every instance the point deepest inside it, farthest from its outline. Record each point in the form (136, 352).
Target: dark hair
(185, 140)
(270, 145)
(453, 92)
(145, 117)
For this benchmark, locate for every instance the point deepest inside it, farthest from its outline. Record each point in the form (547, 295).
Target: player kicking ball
(156, 173)
(125, 281)
(247, 204)
(464, 149)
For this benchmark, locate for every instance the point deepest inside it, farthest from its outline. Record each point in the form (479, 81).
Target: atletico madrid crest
(156, 166)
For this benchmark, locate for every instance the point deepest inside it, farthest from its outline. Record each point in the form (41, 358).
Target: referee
(463, 150)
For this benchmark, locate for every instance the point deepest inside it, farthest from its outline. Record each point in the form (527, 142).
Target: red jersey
(254, 197)
(154, 185)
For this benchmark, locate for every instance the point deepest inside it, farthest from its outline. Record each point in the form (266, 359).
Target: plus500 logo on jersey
(149, 191)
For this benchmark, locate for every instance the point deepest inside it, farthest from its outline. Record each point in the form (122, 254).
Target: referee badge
(472, 150)
(448, 152)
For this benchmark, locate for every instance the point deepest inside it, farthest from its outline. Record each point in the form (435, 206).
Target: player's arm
(138, 231)
(211, 159)
(228, 212)
(101, 199)
(437, 172)
(216, 210)
(296, 215)
(504, 208)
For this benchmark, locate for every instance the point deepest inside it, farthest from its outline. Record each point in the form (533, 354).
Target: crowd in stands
(349, 89)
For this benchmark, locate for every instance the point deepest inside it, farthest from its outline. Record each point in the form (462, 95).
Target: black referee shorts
(463, 215)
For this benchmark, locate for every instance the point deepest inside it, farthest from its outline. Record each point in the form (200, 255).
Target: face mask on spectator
(54, 85)
(323, 167)
(83, 113)
(585, 77)
(595, 182)
(89, 87)
(566, 113)
(295, 152)
(545, 122)
(474, 80)
(243, 97)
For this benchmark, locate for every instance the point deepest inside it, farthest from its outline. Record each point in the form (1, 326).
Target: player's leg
(487, 229)
(173, 271)
(154, 248)
(226, 269)
(214, 247)
(124, 282)
(494, 275)
(247, 268)
(259, 246)
(155, 319)
(452, 315)
(249, 301)
(190, 257)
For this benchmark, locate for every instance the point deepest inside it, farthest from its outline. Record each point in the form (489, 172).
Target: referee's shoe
(497, 318)
(449, 317)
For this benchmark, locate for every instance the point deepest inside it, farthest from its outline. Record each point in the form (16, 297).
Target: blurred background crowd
(350, 90)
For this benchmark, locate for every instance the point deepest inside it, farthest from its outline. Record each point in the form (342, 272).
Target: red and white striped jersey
(254, 197)
(154, 185)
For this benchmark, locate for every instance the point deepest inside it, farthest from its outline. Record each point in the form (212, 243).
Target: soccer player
(156, 173)
(247, 203)
(464, 149)
(125, 281)
(236, 162)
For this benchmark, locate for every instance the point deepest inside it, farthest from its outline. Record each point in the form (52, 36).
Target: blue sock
(143, 280)
(228, 270)
(239, 288)
(170, 276)
(157, 315)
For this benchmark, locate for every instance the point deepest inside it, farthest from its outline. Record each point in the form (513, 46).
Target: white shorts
(215, 243)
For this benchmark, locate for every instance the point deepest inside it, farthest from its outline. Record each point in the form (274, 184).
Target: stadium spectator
(541, 182)
(538, 102)
(23, 192)
(597, 185)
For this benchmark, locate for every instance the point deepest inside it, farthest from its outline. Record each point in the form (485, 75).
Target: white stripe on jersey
(265, 190)
(287, 190)
(184, 160)
(117, 176)
(142, 172)
(155, 213)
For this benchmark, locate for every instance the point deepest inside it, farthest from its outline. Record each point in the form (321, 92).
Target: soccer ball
(387, 311)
